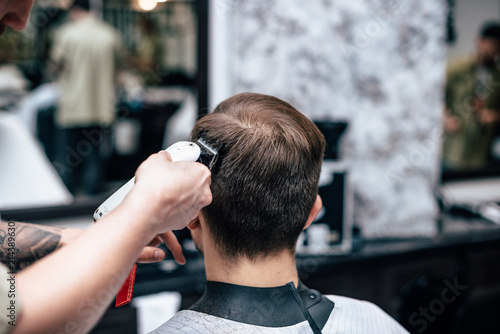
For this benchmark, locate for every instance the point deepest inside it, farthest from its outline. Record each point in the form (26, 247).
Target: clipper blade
(208, 155)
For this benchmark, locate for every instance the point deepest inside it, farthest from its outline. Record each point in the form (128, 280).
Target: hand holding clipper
(180, 151)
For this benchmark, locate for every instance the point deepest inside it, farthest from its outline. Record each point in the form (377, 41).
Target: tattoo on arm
(31, 242)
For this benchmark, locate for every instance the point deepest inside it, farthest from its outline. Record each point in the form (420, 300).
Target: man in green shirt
(472, 104)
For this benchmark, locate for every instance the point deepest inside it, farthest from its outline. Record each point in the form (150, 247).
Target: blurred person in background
(149, 51)
(472, 104)
(86, 51)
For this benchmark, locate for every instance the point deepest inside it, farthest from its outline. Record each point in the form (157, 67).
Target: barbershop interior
(405, 92)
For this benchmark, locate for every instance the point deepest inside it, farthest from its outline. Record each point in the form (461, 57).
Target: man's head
(81, 5)
(488, 43)
(80, 9)
(265, 184)
(14, 14)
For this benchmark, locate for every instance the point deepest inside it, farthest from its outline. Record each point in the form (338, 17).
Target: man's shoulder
(70, 32)
(105, 26)
(349, 316)
(348, 304)
(90, 26)
(355, 316)
(65, 29)
(193, 322)
(460, 64)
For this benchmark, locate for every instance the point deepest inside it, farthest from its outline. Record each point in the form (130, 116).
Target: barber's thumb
(151, 254)
(165, 154)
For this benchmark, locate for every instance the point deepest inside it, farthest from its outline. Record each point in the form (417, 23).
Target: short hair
(81, 4)
(266, 180)
(490, 29)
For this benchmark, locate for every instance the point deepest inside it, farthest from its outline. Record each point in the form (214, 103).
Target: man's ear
(317, 206)
(194, 224)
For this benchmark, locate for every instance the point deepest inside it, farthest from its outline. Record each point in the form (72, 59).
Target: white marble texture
(376, 64)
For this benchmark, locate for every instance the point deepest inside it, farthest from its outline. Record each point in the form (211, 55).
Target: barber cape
(229, 308)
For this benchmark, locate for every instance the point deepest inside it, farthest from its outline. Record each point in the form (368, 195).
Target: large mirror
(66, 145)
(471, 139)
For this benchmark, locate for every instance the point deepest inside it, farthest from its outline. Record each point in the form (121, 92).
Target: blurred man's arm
(451, 123)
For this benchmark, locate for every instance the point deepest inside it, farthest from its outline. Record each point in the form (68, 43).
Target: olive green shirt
(469, 147)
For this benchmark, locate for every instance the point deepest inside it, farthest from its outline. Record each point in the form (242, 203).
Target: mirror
(471, 139)
(159, 92)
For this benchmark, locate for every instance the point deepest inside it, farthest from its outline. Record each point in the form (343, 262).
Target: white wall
(469, 16)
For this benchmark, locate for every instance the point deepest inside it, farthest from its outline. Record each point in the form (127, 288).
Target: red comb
(124, 296)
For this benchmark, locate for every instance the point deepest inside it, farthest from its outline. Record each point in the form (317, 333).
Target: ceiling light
(147, 4)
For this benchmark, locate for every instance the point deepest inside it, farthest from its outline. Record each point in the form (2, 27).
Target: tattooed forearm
(32, 242)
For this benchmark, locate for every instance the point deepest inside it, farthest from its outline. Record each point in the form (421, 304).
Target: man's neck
(271, 271)
(81, 15)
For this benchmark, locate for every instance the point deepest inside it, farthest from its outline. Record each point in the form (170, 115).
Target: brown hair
(267, 178)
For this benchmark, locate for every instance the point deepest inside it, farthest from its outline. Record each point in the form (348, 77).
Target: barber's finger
(173, 244)
(156, 241)
(151, 255)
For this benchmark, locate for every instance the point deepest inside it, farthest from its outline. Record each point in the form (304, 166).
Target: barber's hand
(152, 253)
(489, 116)
(451, 123)
(169, 193)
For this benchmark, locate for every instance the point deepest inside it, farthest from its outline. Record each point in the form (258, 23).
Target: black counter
(403, 277)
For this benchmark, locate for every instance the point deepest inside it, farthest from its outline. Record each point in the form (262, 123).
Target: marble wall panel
(375, 64)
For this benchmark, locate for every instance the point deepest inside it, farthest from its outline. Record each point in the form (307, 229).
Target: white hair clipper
(180, 151)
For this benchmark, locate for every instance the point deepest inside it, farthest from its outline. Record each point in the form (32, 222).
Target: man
(472, 104)
(69, 290)
(265, 192)
(86, 50)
